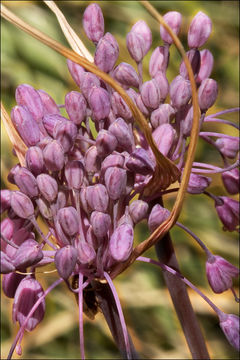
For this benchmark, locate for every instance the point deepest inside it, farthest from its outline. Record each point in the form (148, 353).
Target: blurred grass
(147, 305)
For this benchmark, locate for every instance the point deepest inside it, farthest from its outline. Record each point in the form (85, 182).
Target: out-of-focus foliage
(147, 306)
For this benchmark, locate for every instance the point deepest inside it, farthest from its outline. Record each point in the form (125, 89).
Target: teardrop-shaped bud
(53, 155)
(162, 115)
(51, 120)
(119, 106)
(86, 253)
(92, 160)
(49, 105)
(206, 65)
(12, 173)
(126, 75)
(140, 162)
(44, 208)
(173, 19)
(141, 106)
(163, 85)
(121, 242)
(88, 82)
(138, 210)
(180, 91)
(101, 223)
(106, 53)
(97, 197)
(93, 22)
(34, 160)
(29, 253)
(22, 205)
(91, 238)
(76, 106)
(68, 219)
(28, 97)
(228, 146)
(115, 181)
(197, 183)
(231, 181)
(116, 160)
(65, 260)
(26, 125)
(65, 133)
(106, 143)
(5, 200)
(195, 60)
(76, 71)
(10, 283)
(157, 62)
(135, 46)
(157, 216)
(199, 30)
(74, 172)
(26, 182)
(150, 94)
(48, 187)
(122, 132)
(99, 102)
(164, 136)
(228, 212)
(207, 94)
(6, 264)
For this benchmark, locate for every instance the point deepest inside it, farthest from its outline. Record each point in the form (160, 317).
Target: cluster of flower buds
(82, 185)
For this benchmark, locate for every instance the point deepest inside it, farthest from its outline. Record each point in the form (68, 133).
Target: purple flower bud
(180, 91)
(44, 208)
(164, 136)
(116, 160)
(173, 19)
(88, 82)
(157, 216)
(150, 93)
(121, 242)
(162, 115)
(126, 75)
(86, 253)
(48, 187)
(65, 133)
(12, 173)
(25, 124)
(157, 61)
(115, 181)
(27, 96)
(76, 71)
(106, 53)
(141, 106)
(26, 182)
(29, 253)
(51, 120)
(53, 155)
(93, 22)
(228, 146)
(198, 183)
(7, 229)
(76, 106)
(5, 200)
(62, 198)
(34, 160)
(10, 283)
(163, 84)
(49, 105)
(124, 136)
(199, 30)
(101, 223)
(138, 210)
(139, 40)
(119, 106)
(231, 181)
(6, 264)
(207, 94)
(229, 324)
(195, 60)
(74, 172)
(62, 239)
(65, 261)
(97, 197)
(184, 117)
(99, 102)
(22, 205)
(92, 160)
(106, 143)
(220, 273)
(19, 237)
(91, 238)
(125, 219)
(140, 162)
(68, 219)
(27, 293)
(206, 65)
(228, 212)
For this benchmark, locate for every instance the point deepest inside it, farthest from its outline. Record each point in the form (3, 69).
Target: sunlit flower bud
(115, 181)
(141, 106)
(101, 223)
(229, 324)
(138, 210)
(76, 106)
(157, 216)
(21, 205)
(5, 200)
(124, 136)
(34, 160)
(125, 219)
(53, 155)
(92, 160)
(197, 183)
(68, 219)
(231, 181)
(28, 97)
(180, 91)
(142, 29)
(10, 283)
(28, 253)
(199, 30)
(140, 162)
(106, 53)
(48, 187)
(74, 172)
(88, 82)
(93, 22)
(151, 94)
(76, 71)
(44, 208)
(162, 115)
(51, 120)
(207, 94)
(6, 264)
(121, 242)
(126, 75)
(49, 105)
(99, 102)
(173, 19)
(65, 260)
(195, 60)
(86, 253)
(157, 61)
(164, 136)
(119, 106)
(228, 212)
(97, 197)
(27, 293)
(163, 84)
(105, 143)
(12, 173)
(206, 65)
(135, 46)
(26, 182)
(228, 146)
(26, 125)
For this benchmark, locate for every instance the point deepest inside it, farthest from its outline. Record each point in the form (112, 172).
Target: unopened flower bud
(164, 136)
(140, 162)
(26, 125)
(65, 133)
(7, 229)
(197, 183)
(49, 105)
(76, 71)
(101, 223)
(88, 82)
(228, 146)
(141, 31)
(76, 106)
(126, 75)
(119, 106)
(6, 264)
(195, 60)
(229, 324)
(106, 53)
(86, 253)
(150, 93)
(157, 216)
(199, 30)
(184, 117)
(29, 253)
(162, 115)
(68, 219)
(10, 283)
(92, 160)
(12, 173)
(22, 205)
(62, 238)
(28, 97)
(116, 160)
(136, 46)
(124, 136)
(141, 106)
(91, 239)
(53, 155)
(26, 182)
(173, 19)
(138, 210)
(51, 120)
(206, 65)
(97, 197)
(74, 172)
(5, 200)
(48, 187)
(121, 242)
(207, 94)
(93, 22)
(163, 85)
(65, 260)
(157, 61)
(231, 181)
(99, 102)
(180, 91)
(44, 208)
(115, 181)
(34, 160)
(106, 143)
(228, 212)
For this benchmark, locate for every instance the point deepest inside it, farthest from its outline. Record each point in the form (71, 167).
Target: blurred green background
(147, 306)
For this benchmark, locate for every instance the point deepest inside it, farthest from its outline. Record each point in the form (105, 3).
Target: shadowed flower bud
(76, 106)
(157, 61)
(12, 172)
(65, 260)
(157, 216)
(101, 223)
(121, 242)
(68, 219)
(62, 239)
(228, 213)
(138, 210)
(22, 205)
(163, 84)
(29, 253)
(5, 200)
(150, 93)
(99, 102)
(88, 82)
(92, 160)
(106, 143)
(140, 162)
(7, 229)
(26, 182)
(65, 133)
(48, 187)
(173, 19)
(25, 124)
(126, 75)
(27, 293)
(91, 238)
(220, 273)
(49, 105)
(141, 106)
(207, 94)
(74, 172)
(106, 53)
(231, 181)
(164, 136)
(76, 71)
(162, 115)
(124, 136)
(44, 208)
(97, 197)
(229, 324)
(115, 181)
(180, 91)
(197, 183)
(34, 160)
(200, 30)
(10, 283)
(6, 264)
(27, 96)
(228, 146)
(53, 155)
(206, 65)
(93, 22)
(119, 106)
(51, 120)
(86, 253)
(194, 59)
(184, 117)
